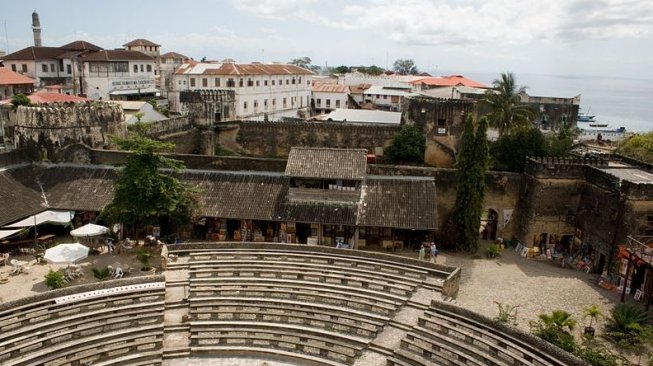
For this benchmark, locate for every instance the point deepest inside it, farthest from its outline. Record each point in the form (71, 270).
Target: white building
(387, 98)
(51, 65)
(167, 64)
(139, 109)
(118, 75)
(261, 90)
(328, 97)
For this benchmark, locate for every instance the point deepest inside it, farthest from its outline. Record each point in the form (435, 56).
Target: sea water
(619, 102)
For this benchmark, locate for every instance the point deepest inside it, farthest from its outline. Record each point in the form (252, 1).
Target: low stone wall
(538, 344)
(18, 156)
(451, 275)
(168, 126)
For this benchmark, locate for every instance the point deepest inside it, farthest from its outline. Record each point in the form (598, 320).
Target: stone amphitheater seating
(444, 336)
(321, 307)
(110, 323)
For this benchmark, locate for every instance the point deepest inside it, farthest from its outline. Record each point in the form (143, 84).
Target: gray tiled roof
(309, 162)
(399, 203)
(236, 195)
(387, 202)
(18, 200)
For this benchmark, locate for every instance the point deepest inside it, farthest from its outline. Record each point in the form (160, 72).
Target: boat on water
(585, 116)
(602, 134)
(598, 124)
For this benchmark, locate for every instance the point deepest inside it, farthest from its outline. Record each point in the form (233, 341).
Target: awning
(8, 233)
(45, 217)
(150, 90)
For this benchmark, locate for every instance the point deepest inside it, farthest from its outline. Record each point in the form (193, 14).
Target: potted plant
(143, 255)
(593, 312)
(493, 251)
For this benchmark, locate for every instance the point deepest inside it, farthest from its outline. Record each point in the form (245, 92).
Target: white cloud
(437, 22)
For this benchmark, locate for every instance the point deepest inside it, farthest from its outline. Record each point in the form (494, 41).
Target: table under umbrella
(66, 253)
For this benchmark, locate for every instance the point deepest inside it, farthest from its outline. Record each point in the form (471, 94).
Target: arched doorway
(489, 220)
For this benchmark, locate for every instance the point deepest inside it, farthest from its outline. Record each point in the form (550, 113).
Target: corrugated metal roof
(363, 116)
(312, 162)
(330, 88)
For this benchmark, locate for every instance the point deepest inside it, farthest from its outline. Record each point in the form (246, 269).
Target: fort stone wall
(55, 125)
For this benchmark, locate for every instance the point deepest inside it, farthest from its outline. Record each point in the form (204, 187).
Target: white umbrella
(89, 230)
(66, 253)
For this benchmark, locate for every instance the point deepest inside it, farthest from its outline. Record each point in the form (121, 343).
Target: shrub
(507, 313)
(143, 256)
(55, 279)
(598, 355)
(624, 321)
(555, 329)
(101, 274)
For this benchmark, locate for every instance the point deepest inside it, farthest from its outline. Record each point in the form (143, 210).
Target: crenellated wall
(55, 125)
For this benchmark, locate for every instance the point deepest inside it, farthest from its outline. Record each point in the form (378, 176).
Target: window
(192, 81)
(293, 81)
(149, 68)
(44, 68)
(272, 82)
(141, 67)
(135, 68)
(328, 101)
(265, 83)
(280, 82)
(319, 102)
(255, 104)
(51, 67)
(265, 104)
(13, 67)
(250, 82)
(287, 82)
(284, 103)
(69, 69)
(257, 83)
(24, 67)
(378, 96)
(245, 105)
(385, 97)
(119, 66)
(299, 81)
(240, 83)
(61, 66)
(274, 102)
(231, 83)
(338, 103)
(217, 81)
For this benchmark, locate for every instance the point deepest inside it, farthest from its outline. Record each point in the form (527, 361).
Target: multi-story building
(328, 97)
(167, 64)
(262, 91)
(12, 83)
(118, 75)
(387, 98)
(52, 65)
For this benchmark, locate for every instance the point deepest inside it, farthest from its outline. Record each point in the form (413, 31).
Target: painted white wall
(100, 85)
(336, 100)
(251, 100)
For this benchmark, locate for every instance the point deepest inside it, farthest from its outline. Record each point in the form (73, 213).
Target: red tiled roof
(116, 55)
(141, 42)
(34, 53)
(330, 88)
(80, 46)
(8, 77)
(451, 80)
(247, 69)
(173, 55)
(360, 88)
(46, 97)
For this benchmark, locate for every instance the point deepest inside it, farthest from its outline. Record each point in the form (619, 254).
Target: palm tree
(559, 319)
(505, 102)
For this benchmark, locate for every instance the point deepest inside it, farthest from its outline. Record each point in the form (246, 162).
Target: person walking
(110, 246)
(434, 253)
(422, 253)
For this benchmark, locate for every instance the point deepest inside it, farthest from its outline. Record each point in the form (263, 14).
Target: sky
(553, 37)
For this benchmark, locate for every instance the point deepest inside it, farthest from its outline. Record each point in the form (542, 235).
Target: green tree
(306, 63)
(147, 189)
(20, 99)
(407, 146)
(505, 103)
(472, 164)
(509, 152)
(405, 67)
(371, 70)
(562, 142)
(639, 147)
(341, 69)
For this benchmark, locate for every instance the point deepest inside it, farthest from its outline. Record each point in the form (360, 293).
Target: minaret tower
(36, 28)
